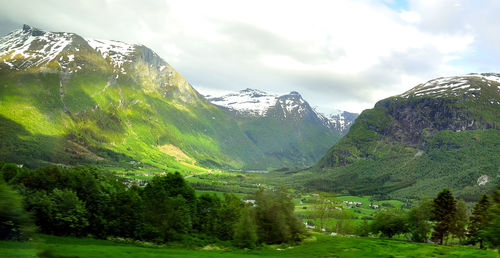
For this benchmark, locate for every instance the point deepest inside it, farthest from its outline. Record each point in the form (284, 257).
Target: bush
(389, 223)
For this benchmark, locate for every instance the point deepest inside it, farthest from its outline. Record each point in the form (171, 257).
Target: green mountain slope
(66, 99)
(444, 133)
(284, 127)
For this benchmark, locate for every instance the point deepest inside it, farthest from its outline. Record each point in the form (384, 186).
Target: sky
(339, 54)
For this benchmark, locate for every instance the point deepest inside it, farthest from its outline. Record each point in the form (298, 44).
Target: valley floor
(316, 246)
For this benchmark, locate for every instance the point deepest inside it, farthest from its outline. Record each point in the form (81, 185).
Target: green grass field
(316, 246)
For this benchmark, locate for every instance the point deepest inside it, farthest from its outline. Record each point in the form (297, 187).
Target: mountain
(66, 99)
(284, 127)
(442, 133)
(256, 103)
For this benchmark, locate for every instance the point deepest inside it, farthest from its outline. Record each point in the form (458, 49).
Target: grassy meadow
(316, 246)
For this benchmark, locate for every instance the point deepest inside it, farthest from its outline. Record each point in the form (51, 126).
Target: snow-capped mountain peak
(257, 103)
(453, 86)
(29, 47)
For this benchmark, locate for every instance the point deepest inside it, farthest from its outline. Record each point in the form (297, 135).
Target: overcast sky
(338, 54)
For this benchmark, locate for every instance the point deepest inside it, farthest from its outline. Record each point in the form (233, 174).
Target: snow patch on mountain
(254, 102)
(448, 86)
(29, 47)
(119, 52)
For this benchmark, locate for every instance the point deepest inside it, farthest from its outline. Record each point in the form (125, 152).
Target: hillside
(65, 99)
(443, 133)
(284, 127)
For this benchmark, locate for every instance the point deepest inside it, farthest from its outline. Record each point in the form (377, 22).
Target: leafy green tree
(169, 208)
(478, 221)
(363, 229)
(9, 171)
(419, 224)
(323, 207)
(208, 213)
(230, 213)
(460, 221)
(389, 223)
(275, 218)
(491, 232)
(443, 213)
(68, 213)
(127, 214)
(245, 231)
(15, 222)
(59, 212)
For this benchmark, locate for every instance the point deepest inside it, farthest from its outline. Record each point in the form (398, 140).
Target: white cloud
(338, 54)
(409, 16)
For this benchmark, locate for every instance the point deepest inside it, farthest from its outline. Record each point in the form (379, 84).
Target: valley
(104, 144)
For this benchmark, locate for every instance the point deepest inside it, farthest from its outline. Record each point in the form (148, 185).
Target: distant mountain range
(257, 103)
(65, 99)
(284, 126)
(442, 133)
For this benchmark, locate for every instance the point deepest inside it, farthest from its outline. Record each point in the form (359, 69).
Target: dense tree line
(83, 201)
(443, 217)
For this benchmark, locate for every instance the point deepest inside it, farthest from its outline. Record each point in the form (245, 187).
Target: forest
(83, 201)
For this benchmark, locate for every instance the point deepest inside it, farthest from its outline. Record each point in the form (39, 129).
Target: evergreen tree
(491, 232)
(443, 213)
(478, 220)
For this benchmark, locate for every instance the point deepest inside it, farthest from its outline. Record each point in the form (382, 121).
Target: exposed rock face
(458, 103)
(482, 180)
(442, 133)
(415, 119)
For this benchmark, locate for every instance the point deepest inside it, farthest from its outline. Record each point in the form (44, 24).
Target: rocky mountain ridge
(257, 103)
(442, 133)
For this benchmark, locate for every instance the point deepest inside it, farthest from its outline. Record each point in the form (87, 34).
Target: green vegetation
(443, 214)
(411, 147)
(15, 222)
(96, 117)
(81, 201)
(491, 231)
(287, 142)
(389, 223)
(316, 246)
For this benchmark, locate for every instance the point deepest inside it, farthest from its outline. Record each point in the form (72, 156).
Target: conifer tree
(443, 213)
(491, 232)
(478, 220)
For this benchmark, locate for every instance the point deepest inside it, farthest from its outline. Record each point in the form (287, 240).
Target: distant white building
(252, 202)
